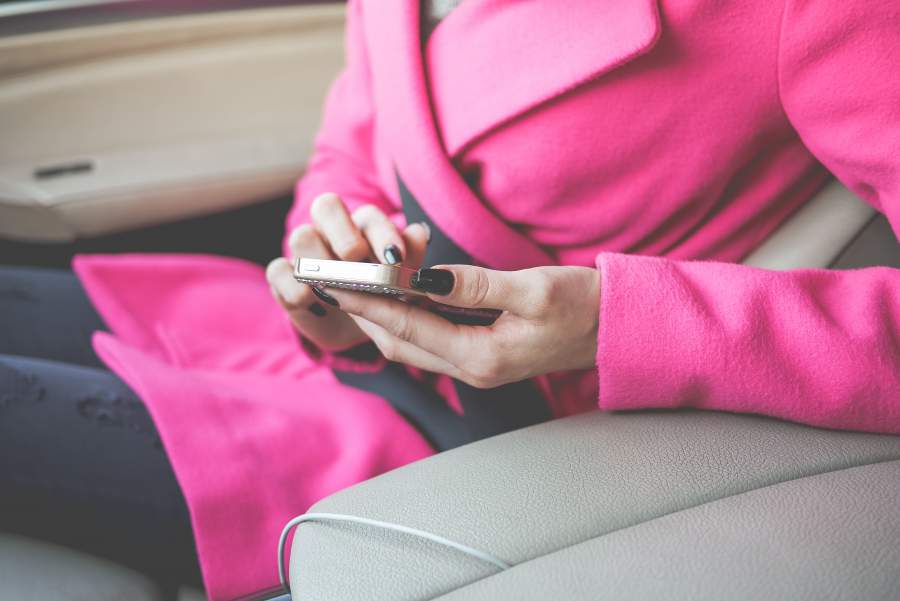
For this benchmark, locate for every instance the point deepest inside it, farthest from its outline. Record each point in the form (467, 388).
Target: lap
(81, 465)
(45, 313)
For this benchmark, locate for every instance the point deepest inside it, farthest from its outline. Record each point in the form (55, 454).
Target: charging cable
(336, 517)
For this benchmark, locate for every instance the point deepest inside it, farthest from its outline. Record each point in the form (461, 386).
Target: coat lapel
(478, 99)
(492, 60)
(404, 114)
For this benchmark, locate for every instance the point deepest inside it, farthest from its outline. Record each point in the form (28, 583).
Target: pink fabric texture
(255, 429)
(660, 141)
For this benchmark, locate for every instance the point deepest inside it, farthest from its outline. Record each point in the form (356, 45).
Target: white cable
(335, 517)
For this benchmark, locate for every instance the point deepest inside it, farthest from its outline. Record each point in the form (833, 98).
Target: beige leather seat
(667, 505)
(644, 506)
(37, 571)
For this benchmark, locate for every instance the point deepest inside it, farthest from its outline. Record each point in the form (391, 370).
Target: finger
(409, 323)
(319, 322)
(305, 241)
(477, 287)
(333, 222)
(289, 292)
(380, 232)
(400, 351)
(416, 238)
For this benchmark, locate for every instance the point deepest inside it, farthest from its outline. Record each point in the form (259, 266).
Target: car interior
(163, 126)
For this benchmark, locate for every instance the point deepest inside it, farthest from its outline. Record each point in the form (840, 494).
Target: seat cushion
(31, 570)
(667, 505)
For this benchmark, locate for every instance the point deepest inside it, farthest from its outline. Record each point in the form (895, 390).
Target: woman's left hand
(549, 323)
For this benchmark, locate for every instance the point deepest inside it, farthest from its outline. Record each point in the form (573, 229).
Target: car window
(29, 16)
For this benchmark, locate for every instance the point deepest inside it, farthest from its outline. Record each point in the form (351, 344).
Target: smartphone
(390, 280)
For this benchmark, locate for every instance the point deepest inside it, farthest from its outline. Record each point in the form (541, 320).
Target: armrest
(679, 505)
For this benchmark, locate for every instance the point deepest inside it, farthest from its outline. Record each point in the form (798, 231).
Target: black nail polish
(317, 310)
(324, 296)
(392, 254)
(436, 281)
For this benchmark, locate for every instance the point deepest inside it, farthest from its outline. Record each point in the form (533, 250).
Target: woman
(543, 141)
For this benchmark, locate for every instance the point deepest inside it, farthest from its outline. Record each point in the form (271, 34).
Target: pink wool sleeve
(815, 346)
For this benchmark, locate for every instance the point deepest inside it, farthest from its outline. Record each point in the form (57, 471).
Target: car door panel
(127, 124)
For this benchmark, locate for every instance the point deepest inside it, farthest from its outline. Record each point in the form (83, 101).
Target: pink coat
(591, 128)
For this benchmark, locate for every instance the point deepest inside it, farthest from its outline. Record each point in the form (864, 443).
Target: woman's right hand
(365, 235)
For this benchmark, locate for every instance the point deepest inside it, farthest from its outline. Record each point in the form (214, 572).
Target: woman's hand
(549, 323)
(365, 235)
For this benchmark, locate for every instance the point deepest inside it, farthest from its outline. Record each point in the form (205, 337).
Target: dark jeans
(81, 463)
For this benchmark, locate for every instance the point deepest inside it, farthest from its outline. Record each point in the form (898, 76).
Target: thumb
(474, 287)
(415, 238)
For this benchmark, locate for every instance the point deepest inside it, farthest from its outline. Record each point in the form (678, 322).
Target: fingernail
(392, 254)
(427, 231)
(436, 281)
(324, 296)
(317, 309)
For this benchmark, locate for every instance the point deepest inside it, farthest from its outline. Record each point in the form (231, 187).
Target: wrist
(583, 317)
(592, 319)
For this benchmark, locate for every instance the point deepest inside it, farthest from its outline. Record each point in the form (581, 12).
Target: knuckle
(302, 238)
(471, 381)
(478, 286)
(274, 267)
(547, 291)
(485, 366)
(479, 382)
(297, 295)
(366, 213)
(302, 233)
(324, 204)
(404, 327)
(387, 347)
(351, 248)
(488, 370)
